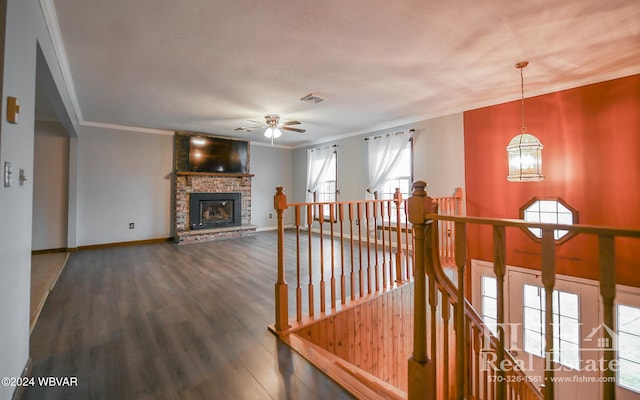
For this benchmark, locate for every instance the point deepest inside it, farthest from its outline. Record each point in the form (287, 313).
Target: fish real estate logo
(597, 353)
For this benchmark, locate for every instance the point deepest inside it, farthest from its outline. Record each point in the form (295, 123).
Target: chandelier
(524, 150)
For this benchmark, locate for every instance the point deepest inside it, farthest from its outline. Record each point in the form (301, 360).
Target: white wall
(438, 159)
(25, 29)
(272, 167)
(438, 154)
(50, 186)
(123, 177)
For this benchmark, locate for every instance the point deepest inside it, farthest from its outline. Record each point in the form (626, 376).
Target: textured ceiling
(209, 66)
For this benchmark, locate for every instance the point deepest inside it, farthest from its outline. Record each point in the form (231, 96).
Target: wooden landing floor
(45, 270)
(162, 321)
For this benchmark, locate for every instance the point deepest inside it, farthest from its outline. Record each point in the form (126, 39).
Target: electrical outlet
(270, 215)
(132, 225)
(357, 222)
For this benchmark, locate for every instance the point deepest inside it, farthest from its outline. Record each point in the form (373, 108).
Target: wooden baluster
(353, 265)
(375, 244)
(461, 260)
(333, 263)
(485, 372)
(451, 239)
(298, 274)
(281, 287)
(360, 270)
(447, 234)
(310, 285)
(322, 282)
(367, 216)
(420, 380)
(548, 281)
(390, 243)
(384, 249)
(397, 198)
(457, 195)
(406, 243)
(446, 308)
(499, 268)
(343, 294)
(467, 357)
(433, 332)
(444, 242)
(476, 365)
(606, 253)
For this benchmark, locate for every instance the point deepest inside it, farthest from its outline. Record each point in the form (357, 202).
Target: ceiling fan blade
(286, 128)
(257, 122)
(244, 128)
(291, 123)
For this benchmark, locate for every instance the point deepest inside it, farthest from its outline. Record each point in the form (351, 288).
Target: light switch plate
(8, 171)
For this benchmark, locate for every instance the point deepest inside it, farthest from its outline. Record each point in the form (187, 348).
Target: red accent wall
(591, 159)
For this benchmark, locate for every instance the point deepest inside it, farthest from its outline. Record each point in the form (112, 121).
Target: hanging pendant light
(524, 150)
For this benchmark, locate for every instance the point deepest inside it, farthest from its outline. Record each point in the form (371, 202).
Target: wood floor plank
(162, 321)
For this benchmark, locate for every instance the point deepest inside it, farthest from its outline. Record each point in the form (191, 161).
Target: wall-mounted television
(202, 153)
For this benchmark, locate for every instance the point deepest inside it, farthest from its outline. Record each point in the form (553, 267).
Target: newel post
(419, 364)
(282, 289)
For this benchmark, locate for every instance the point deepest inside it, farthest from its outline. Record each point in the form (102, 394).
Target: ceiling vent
(313, 98)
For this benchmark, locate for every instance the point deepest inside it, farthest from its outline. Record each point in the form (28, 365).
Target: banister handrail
(519, 223)
(445, 283)
(424, 217)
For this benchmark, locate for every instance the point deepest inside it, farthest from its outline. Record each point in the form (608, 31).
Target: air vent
(313, 98)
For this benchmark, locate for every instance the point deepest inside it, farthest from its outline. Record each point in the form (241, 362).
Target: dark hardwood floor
(162, 321)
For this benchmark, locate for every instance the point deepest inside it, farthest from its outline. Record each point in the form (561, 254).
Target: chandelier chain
(524, 127)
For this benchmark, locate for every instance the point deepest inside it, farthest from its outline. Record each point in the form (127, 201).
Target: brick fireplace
(211, 203)
(189, 185)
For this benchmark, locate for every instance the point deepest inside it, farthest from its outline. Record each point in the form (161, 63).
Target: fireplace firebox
(215, 210)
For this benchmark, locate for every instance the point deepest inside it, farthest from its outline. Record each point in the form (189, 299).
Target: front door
(576, 332)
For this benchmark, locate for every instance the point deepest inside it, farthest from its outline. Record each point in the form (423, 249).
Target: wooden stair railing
(472, 338)
(369, 251)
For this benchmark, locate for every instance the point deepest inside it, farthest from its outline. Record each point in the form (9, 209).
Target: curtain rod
(395, 133)
(323, 147)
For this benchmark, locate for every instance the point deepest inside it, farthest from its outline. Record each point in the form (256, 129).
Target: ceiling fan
(273, 126)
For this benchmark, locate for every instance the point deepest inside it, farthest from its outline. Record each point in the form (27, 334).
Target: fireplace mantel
(225, 174)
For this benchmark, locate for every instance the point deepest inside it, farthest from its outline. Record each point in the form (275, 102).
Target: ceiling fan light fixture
(274, 133)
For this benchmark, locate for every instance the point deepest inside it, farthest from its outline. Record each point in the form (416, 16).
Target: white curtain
(318, 162)
(384, 154)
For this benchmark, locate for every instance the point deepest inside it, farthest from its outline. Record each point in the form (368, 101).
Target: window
(629, 347)
(553, 211)
(490, 303)
(327, 189)
(400, 176)
(327, 185)
(566, 325)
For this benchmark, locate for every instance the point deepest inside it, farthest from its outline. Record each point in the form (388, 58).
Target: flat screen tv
(211, 154)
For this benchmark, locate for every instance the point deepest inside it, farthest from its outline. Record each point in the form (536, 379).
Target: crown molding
(51, 20)
(277, 146)
(127, 128)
